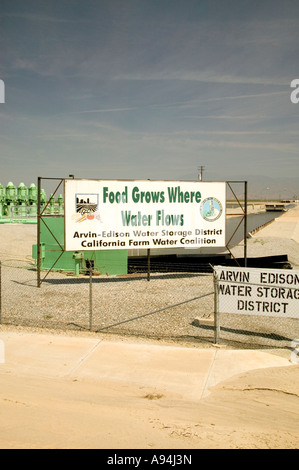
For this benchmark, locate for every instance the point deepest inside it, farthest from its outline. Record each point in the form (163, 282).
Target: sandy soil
(257, 409)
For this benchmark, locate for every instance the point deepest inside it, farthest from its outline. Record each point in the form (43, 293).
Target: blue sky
(140, 89)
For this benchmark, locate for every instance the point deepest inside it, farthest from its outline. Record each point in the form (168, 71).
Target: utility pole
(200, 172)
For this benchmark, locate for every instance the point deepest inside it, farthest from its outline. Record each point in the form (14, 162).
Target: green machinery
(19, 205)
(53, 254)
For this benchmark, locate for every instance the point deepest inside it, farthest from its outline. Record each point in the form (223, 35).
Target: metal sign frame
(243, 214)
(42, 216)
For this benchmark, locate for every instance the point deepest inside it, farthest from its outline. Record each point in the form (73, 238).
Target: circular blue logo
(211, 209)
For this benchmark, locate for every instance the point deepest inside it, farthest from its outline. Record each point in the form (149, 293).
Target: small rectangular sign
(252, 291)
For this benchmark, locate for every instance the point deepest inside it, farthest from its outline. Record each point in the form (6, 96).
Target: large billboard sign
(120, 214)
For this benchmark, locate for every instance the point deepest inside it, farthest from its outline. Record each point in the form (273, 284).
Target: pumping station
(19, 205)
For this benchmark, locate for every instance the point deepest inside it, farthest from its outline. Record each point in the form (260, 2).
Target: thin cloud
(35, 17)
(104, 110)
(154, 87)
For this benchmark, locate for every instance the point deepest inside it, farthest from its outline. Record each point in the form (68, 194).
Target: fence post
(38, 233)
(216, 309)
(90, 297)
(148, 264)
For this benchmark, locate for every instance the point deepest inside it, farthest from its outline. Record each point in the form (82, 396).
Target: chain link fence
(165, 306)
(181, 306)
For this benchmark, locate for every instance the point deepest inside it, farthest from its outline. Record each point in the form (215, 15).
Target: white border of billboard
(134, 214)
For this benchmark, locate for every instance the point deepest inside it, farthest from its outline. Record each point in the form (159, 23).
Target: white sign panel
(265, 292)
(111, 215)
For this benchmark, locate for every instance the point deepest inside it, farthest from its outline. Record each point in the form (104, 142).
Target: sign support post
(148, 264)
(216, 310)
(90, 296)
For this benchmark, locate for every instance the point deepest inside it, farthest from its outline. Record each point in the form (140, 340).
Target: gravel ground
(64, 302)
(175, 306)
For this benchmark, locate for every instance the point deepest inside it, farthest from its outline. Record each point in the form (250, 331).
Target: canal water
(235, 232)
(254, 221)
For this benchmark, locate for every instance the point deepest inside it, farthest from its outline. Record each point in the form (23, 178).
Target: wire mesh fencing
(166, 305)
